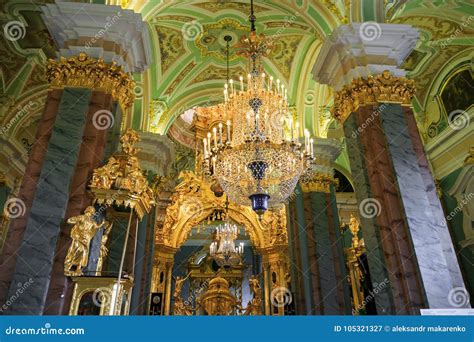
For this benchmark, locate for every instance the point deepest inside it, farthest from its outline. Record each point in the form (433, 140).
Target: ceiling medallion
(211, 42)
(260, 160)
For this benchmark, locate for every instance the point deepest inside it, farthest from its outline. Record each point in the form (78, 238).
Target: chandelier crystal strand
(262, 158)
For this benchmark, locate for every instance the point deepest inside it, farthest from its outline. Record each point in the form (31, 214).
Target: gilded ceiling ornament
(212, 73)
(171, 44)
(177, 81)
(331, 6)
(121, 181)
(211, 43)
(254, 45)
(381, 88)
(227, 5)
(85, 71)
(283, 53)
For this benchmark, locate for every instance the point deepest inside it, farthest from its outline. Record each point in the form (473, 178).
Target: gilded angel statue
(84, 229)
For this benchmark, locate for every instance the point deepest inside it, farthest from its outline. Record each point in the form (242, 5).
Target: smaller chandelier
(223, 249)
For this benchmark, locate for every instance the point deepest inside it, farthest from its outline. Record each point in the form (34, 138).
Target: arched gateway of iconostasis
(186, 278)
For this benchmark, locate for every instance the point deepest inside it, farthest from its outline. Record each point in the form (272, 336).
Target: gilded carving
(171, 46)
(356, 273)
(85, 71)
(283, 53)
(381, 88)
(121, 181)
(254, 306)
(227, 5)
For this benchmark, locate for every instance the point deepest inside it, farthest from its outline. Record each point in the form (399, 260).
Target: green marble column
(36, 253)
(318, 256)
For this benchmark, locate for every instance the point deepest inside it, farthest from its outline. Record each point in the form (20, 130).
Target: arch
(193, 201)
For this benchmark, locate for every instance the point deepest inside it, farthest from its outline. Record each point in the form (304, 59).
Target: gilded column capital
(317, 182)
(380, 88)
(88, 72)
(321, 176)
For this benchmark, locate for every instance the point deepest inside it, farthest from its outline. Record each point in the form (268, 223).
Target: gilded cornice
(88, 72)
(381, 88)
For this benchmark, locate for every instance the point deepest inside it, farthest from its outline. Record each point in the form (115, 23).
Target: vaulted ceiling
(189, 66)
(189, 49)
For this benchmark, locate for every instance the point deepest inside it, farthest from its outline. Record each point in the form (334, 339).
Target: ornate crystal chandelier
(223, 250)
(261, 158)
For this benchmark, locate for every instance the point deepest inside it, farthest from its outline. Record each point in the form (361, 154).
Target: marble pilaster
(424, 215)
(297, 276)
(90, 156)
(371, 232)
(36, 253)
(321, 260)
(27, 191)
(406, 235)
